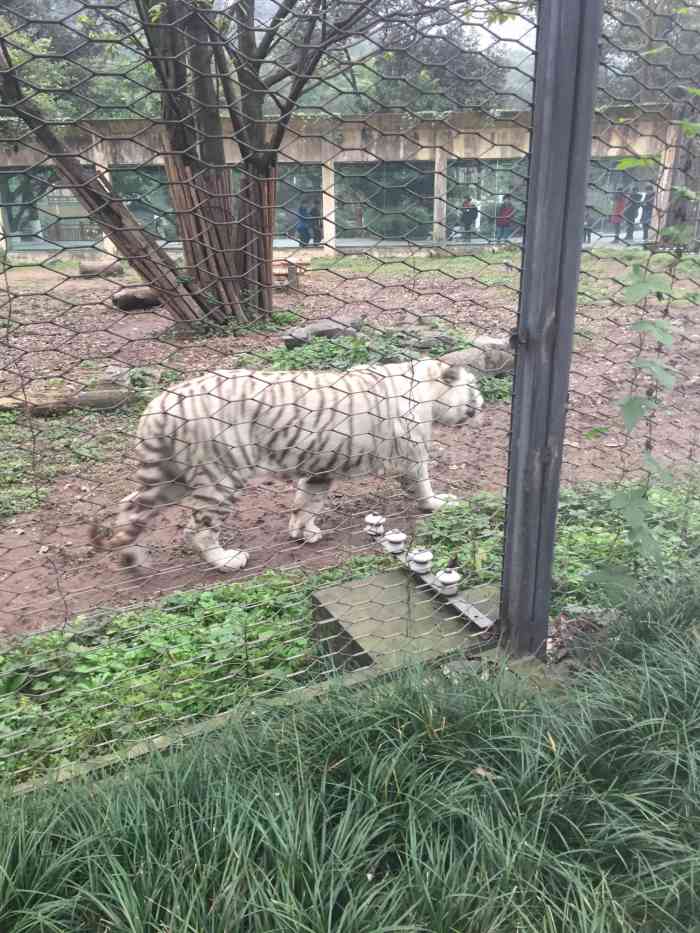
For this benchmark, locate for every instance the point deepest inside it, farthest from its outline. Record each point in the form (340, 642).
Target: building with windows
(378, 179)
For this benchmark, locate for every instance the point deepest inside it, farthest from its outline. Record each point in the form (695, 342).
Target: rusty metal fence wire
(271, 244)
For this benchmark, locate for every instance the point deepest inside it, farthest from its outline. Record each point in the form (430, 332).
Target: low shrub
(595, 545)
(105, 682)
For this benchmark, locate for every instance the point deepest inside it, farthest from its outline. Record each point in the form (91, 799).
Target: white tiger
(207, 437)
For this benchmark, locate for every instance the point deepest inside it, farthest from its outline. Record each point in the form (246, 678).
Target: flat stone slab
(390, 620)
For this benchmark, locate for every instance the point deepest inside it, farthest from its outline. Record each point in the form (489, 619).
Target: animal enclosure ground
(60, 474)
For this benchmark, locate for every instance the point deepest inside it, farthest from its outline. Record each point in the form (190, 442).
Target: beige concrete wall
(384, 136)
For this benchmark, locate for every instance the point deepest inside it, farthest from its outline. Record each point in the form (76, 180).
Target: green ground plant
(367, 348)
(597, 545)
(417, 806)
(277, 320)
(106, 682)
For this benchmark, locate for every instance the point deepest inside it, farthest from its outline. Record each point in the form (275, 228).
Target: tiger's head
(457, 400)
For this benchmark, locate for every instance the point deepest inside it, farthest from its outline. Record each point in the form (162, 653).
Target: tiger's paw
(438, 502)
(231, 561)
(136, 559)
(312, 534)
(309, 533)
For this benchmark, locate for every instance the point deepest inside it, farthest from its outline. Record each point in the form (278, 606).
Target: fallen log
(45, 406)
(94, 268)
(136, 298)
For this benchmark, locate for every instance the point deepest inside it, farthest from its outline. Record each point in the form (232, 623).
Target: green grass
(419, 806)
(415, 265)
(34, 451)
(603, 270)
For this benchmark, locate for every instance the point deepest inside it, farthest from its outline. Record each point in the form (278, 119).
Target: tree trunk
(678, 214)
(205, 218)
(254, 233)
(226, 239)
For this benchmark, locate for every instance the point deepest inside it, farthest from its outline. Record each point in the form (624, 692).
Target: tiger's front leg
(212, 505)
(417, 485)
(309, 502)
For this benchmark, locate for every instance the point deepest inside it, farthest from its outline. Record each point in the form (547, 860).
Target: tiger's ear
(452, 375)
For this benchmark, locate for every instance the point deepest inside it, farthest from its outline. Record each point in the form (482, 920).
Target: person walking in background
(469, 215)
(587, 225)
(303, 226)
(316, 221)
(634, 199)
(504, 219)
(619, 204)
(648, 205)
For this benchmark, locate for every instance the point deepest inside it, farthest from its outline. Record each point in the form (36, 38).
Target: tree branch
(330, 34)
(233, 102)
(97, 197)
(272, 33)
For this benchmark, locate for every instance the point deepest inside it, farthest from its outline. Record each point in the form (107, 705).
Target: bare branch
(272, 33)
(233, 101)
(330, 34)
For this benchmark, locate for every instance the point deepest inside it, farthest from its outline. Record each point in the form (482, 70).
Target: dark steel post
(565, 80)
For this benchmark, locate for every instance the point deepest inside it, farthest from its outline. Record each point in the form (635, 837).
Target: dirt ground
(61, 331)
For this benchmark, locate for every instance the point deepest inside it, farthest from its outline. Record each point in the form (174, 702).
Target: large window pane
(604, 180)
(299, 202)
(384, 200)
(485, 181)
(38, 213)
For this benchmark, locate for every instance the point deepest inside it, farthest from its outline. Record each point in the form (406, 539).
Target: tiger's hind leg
(212, 505)
(309, 502)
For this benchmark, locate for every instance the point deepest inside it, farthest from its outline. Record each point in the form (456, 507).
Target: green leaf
(690, 128)
(656, 469)
(635, 162)
(633, 504)
(658, 372)
(695, 91)
(634, 408)
(686, 193)
(596, 432)
(681, 234)
(660, 330)
(640, 288)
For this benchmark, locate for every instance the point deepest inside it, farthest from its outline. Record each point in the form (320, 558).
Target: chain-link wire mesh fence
(630, 455)
(263, 244)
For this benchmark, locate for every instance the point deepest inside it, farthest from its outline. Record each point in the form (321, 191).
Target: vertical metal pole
(565, 82)
(440, 195)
